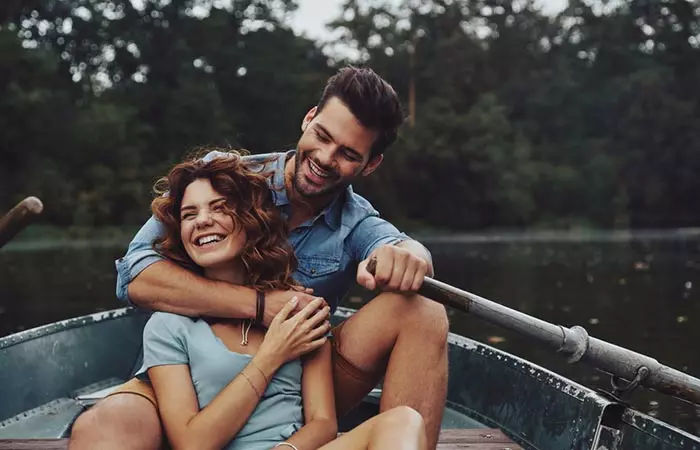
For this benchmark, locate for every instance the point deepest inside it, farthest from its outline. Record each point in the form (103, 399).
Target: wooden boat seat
(452, 439)
(474, 439)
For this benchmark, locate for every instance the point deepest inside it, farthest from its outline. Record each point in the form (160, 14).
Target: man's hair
(370, 99)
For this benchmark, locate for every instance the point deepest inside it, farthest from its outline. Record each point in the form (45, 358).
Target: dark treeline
(588, 118)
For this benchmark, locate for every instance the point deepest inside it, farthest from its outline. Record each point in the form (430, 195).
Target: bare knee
(84, 423)
(434, 315)
(406, 416)
(404, 419)
(421, 314)
(120, 421)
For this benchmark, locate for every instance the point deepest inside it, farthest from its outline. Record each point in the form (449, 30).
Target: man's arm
(148, 280)
(165, 286)
(401, 261)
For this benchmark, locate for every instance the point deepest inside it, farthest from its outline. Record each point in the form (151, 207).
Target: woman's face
(209, 234)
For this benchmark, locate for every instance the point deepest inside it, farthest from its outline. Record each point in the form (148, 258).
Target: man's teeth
(316, 171)
(211, 238)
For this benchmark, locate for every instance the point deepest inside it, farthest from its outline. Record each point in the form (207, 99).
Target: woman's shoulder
(171, 318)
(166, 340)
(168, 322)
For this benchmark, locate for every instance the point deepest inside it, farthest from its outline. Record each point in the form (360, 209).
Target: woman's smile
(209, 232)
(209, 240)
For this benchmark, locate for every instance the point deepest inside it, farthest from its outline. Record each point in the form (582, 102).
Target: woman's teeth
(210, 238)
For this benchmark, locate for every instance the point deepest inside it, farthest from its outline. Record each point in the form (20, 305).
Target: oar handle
(432, 289)
(19, 217)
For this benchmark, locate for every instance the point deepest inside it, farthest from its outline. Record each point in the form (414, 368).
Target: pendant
(245, 328)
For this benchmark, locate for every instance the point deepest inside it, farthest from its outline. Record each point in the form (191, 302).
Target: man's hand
(275, 301)
(397, 269)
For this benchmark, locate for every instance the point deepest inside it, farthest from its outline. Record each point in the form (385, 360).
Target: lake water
(641, 292)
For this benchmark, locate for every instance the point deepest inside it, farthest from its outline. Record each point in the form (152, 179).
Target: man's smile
(315, 174)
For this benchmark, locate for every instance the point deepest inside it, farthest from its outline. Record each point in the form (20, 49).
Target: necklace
(245, 328)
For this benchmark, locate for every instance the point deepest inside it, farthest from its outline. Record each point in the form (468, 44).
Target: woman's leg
(400, 428)
(122, 421)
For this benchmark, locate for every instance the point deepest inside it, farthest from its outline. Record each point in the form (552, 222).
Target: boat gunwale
(541, 375)
(551, 378)
(639, 420)
(67, 324)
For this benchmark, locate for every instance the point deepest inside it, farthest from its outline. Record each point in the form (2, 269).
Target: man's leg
(403, 337)
(121, 421)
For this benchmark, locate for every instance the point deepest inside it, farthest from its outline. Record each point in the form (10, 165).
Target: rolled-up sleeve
(370, 233)
(139, 255)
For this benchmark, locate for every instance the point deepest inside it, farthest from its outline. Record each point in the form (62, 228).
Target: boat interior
(47, 425)
(495, 400)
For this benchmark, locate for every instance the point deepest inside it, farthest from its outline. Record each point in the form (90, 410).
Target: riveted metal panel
(50, 362)
(641, 431)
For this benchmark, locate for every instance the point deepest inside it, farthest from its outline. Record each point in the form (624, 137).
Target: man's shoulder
(263, 158)
(252, 159)
(356, 208)
(356, 201)
(266, 162)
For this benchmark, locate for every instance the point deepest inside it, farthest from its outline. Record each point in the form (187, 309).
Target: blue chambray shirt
(328, 247)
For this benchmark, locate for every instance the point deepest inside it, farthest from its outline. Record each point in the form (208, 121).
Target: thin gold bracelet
(261, 372)
(281, 444)
(251, 383)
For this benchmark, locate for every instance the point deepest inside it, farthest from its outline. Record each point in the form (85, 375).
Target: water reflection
(635, 293)
(46, 284)
(639, 293)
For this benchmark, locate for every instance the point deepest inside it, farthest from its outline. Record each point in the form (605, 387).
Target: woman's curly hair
(267, 256)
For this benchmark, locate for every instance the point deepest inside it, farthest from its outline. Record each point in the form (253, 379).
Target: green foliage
(587, 118)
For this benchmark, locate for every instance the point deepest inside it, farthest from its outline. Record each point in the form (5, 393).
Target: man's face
(333, 151)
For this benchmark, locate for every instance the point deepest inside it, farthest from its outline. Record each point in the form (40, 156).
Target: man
(398, 335)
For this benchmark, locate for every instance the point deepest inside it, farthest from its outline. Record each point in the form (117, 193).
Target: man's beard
(299, 183)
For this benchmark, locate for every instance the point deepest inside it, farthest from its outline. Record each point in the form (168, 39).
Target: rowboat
(52, 373)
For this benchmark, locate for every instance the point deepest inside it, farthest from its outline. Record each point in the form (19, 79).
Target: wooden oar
(573, 342)
(19, 217)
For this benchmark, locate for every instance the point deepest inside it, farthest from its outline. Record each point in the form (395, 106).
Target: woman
(228, 383)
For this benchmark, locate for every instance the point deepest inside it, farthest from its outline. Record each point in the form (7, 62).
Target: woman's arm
(188, 427)
(321, 425)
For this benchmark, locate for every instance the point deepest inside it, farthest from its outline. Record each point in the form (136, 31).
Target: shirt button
(313, 270)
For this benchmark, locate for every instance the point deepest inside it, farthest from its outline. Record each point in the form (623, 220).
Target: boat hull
(49, 374)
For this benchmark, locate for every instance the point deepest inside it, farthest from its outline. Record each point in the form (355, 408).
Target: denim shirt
(328, 247)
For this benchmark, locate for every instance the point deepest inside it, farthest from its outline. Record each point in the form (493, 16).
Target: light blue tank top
(174, 339)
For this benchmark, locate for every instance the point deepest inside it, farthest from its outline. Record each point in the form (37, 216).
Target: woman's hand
(276, 300)
(288, 338)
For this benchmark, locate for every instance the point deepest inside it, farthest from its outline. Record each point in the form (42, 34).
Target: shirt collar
(331, 213)
(277, 185)
(334, 211)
